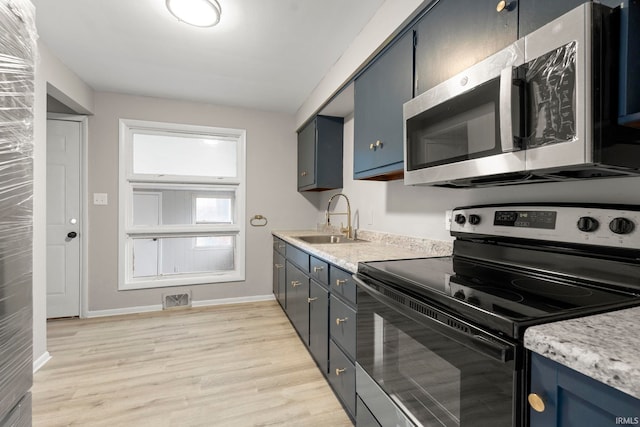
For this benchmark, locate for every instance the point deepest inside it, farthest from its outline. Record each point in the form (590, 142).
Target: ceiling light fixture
(199, 13)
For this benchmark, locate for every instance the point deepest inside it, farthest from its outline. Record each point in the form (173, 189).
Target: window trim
(128, 181)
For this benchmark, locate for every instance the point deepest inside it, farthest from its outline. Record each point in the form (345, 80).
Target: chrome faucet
(348, 231)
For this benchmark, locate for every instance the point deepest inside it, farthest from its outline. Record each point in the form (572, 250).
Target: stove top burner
(551, 289)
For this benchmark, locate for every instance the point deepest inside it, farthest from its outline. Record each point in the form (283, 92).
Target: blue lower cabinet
(562, 397)
(342, 325)
(301, 283)
(342, 377)
(318, 325)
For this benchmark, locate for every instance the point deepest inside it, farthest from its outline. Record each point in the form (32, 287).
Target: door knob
(72, 235)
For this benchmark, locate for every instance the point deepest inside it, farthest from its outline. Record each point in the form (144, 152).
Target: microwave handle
(506, 108)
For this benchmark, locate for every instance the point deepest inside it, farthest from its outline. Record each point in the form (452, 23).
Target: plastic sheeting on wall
(17, 60)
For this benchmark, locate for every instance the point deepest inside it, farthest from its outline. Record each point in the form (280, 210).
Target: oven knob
(588, 224)
(621, 226)
(474, 219)
(460, 219)
(459, 294)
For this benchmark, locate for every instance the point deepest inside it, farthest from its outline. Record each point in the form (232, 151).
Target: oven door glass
(437, 373)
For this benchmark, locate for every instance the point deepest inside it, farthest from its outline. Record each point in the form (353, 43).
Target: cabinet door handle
(295, 283)
(339, 320)
(279, 265)
(502, 5)
(304, 173)
(281, 246)
(536, 402)
(340, 370)
(340, 282)
(310, 300)
(375, 146)
(316, 269)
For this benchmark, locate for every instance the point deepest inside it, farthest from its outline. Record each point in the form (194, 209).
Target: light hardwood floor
(232, 365)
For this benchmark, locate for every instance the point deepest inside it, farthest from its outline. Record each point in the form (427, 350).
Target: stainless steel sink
(328, 239)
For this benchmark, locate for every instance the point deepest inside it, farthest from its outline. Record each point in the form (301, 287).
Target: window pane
(147, 207)
(184, 155)
(182, 206)
(146, 257)
(210, 210)
(214, 241)
(167, 256)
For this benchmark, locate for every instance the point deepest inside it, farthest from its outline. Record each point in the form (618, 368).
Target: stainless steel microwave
(544, 108)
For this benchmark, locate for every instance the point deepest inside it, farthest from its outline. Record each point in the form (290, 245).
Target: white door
(63, 218)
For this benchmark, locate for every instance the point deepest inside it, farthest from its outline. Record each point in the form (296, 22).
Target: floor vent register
(176, 301)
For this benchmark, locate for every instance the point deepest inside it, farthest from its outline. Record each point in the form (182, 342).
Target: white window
(182, 198)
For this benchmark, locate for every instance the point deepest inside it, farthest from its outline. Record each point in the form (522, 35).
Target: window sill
(182, 280)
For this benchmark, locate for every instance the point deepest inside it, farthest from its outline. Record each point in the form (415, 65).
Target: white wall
(271, 191)
(420, 211)
(54, 77)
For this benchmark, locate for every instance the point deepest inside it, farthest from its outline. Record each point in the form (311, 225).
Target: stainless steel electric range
(440, 340)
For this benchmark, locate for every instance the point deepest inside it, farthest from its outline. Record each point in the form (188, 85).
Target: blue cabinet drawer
(342, 324)
(319, 270)
(342, 377)
(298, 257)
(342, 284)
(279, 245)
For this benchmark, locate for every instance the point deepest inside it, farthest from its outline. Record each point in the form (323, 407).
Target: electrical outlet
(100, 199)
(447, 219)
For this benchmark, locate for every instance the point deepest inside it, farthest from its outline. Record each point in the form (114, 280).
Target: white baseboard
(238, 300)
(126, 310)
(158, 307)
(41, 361)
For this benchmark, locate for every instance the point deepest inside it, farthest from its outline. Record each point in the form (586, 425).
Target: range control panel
(602, 225)
(526, 219)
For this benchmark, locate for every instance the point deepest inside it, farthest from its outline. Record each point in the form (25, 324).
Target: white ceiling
(264, 54)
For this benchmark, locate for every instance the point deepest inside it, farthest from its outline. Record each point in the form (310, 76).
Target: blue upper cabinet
(535, 13)
(380, 93)
(562, 397)
(456, 34)
(320, 154)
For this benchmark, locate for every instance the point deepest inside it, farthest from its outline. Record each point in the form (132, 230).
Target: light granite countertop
(376, 246)
(605, 347)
